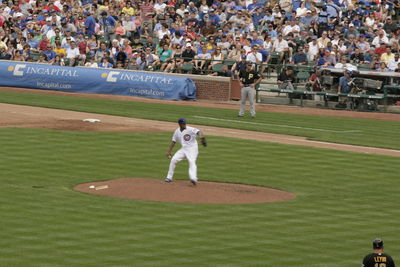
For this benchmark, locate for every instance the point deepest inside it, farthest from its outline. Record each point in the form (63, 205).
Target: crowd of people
(165, 34)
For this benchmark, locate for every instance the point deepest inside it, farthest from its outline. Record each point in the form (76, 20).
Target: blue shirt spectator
(214, 18)
(50, 54)
(90, 24)
(344, 82)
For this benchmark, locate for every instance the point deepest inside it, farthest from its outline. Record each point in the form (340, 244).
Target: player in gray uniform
(187, 137)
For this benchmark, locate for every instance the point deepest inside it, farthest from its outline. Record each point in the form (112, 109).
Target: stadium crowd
(165, 34)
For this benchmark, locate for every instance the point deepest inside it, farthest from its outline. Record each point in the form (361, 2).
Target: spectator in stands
(225, 72)
(382, 67)
(300, 58)
(133, 64)
(390, 26)
(188, 54)
(107, 25)
(176, 62)
(42, 59)
(254, 57)
(344, 85)
(17, 56)
(314, 47)
(59, 50)
(357, 57)
(30, 41)
(216, 58)
(100, 53)
(380, 38)
(72, 54)
(286, 78)
(387, 56)
(394, 63)
(281, 46)
(44, 42)
(57, 61)
(150, 58)
(50, 54)
(105, 63)
(165, 56)
(202, 57)
(90, 24)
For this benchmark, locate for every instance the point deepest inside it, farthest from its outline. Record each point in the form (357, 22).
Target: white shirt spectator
(50, 34)
(378, 40)
(280, 46)
(254, 57)
(392, 64)
(72, 52)
(92, 64)
(342, 48)
(267, 45)
(314, 49)
(159, 7)
(64, 40)
(295, 29)
(161, 33)
(129, 25)
(301, 11)
(348, 66)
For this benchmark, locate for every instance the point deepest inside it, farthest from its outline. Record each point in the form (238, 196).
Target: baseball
(92, 187)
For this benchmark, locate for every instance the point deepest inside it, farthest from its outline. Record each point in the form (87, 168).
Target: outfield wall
(96, 80)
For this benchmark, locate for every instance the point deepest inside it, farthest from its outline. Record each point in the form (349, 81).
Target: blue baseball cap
(182, 121)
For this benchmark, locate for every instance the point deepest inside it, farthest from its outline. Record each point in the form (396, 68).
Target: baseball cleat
(168, 180)
(193, 182)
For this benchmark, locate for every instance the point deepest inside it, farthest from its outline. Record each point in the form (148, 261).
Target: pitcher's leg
(179, 155)
(192, 157)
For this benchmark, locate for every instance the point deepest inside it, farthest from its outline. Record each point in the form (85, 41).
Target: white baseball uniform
(189, 150)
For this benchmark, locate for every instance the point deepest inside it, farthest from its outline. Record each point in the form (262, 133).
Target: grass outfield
(344, 199)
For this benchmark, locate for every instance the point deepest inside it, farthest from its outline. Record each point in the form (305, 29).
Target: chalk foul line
(280, 125)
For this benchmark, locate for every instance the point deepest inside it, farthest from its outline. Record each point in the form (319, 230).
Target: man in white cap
(188, 54)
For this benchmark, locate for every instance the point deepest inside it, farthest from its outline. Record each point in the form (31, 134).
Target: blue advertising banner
(93, 80)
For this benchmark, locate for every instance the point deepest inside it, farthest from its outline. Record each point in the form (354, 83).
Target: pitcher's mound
(183, 191)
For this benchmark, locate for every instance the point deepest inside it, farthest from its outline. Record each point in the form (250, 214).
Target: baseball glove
(203, 141)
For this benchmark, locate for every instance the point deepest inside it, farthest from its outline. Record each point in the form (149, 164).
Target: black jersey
(378, 260)
(249, 77)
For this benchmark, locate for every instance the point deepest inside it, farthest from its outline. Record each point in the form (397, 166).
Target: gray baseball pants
(250, 93)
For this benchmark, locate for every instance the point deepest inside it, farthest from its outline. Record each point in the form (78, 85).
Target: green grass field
(344, 200)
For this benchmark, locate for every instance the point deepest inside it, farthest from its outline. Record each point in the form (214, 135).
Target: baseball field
(343, 199)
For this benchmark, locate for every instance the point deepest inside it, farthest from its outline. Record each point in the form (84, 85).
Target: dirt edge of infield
(182, 191)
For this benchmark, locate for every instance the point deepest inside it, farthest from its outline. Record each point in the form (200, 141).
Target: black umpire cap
(377, 243)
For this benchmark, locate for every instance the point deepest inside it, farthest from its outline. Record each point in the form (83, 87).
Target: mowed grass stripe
(371, 132)
(335, 196)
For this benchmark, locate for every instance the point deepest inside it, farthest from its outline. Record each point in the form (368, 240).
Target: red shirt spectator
(51, 7)
(381, 49)
(42, 46)
(147, 10)
(82, 46)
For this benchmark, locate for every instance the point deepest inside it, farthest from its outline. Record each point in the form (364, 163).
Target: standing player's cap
(182, 121)
(377, 243)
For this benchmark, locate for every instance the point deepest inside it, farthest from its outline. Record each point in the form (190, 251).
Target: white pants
(190, 153)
